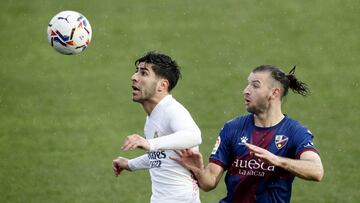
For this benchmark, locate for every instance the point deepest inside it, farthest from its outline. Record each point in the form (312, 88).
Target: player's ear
(276, 92)
(163, 85)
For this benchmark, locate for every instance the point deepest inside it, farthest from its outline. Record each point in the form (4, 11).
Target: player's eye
(143, 73)
(255, 85)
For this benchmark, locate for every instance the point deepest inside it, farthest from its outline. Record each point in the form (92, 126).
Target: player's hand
(119, 164)
(189, 159)
(135, 141)
(263, 154)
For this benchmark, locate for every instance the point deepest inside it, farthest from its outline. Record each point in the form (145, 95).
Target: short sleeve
(303, 142)
(220, 154)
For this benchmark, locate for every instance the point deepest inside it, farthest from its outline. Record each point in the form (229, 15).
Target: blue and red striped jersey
(249, 179)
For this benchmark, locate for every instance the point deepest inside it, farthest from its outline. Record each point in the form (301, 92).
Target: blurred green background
(64, 118)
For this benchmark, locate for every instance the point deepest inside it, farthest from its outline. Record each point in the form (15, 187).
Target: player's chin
(250, 109)
(247, 106)
(136, 98)
(135, 95)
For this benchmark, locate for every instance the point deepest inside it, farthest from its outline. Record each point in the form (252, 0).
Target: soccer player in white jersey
(169, 126)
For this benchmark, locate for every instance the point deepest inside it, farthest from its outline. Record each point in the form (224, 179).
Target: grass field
(63, 118)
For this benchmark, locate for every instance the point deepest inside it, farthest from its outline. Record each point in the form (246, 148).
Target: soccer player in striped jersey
(168, 126)
(263, 151)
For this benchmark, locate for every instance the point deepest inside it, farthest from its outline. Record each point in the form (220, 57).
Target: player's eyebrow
(144, 68)
(254, 81)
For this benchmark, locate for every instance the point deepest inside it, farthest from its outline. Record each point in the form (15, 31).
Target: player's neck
(151, 103)
(268, 118)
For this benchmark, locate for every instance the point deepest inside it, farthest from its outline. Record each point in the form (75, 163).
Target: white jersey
(169, 127)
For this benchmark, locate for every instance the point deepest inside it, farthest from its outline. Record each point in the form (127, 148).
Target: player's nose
(134, 77)
(246, 90)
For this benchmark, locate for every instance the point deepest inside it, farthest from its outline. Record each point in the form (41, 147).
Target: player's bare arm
(119, 164)
(211, 177)
(208, 177)
(135, 141)
(308, 167)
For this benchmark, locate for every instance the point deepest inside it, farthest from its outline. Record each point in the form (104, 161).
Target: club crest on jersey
(216, 146)
(156, 134)
(281, 141)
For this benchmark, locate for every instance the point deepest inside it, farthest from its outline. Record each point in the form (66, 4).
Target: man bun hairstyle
(296, 85)
(163, 65)
(286, 80)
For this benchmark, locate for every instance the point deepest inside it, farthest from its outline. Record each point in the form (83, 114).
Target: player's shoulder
(172, 103)
(234, 127)
(240, 120)
(295, 126)
(173, 107)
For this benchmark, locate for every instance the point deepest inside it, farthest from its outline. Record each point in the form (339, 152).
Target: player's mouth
(135, 89)
(247, 101)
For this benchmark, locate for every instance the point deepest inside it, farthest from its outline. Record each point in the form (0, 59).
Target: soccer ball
(69, 32)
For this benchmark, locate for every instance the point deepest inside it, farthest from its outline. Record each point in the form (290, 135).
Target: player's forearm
(306, 169)
(205, 180)
(209, 177)
(138, 163)
(183, 139)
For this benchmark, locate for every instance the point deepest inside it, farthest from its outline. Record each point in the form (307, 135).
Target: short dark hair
(163, 66)
(286, 80)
